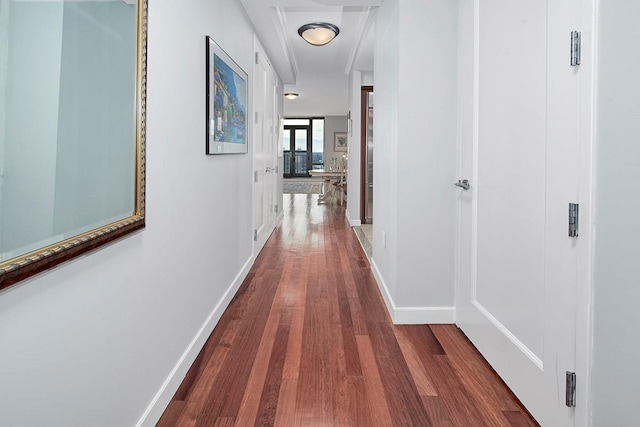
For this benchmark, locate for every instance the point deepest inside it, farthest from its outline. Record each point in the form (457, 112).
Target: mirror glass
(71, 120)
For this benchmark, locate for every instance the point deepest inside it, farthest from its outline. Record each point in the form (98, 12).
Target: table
(328, 190)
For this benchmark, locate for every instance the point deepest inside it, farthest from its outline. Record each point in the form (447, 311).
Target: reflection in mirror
(72, 78)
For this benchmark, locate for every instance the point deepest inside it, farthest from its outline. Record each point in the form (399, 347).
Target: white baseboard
(412, 315)
(353, 222)
(160, 401)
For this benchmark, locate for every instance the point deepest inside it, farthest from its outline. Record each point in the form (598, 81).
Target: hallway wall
(616, 338)
(94, 341)
(333, 124)
(416, 132)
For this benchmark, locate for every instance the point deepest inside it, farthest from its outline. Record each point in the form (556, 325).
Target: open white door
(517, 264)
(264, 149)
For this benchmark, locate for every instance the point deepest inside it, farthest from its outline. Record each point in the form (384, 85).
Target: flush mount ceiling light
(318, 33)
(291, 95)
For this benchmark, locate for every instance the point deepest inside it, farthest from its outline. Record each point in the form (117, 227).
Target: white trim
(584, 291)
(412, 315)
(424, 315)
(353, 222)
(509, 335)
(162, 398)
(475, 148)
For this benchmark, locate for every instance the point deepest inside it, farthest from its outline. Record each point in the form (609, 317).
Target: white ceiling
(318, 73)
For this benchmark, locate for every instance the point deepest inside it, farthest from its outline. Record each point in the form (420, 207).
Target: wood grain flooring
(307, 341)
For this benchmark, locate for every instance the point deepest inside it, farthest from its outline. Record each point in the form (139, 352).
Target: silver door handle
(464, 184)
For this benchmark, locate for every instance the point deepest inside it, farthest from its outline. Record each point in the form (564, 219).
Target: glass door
(296, 148)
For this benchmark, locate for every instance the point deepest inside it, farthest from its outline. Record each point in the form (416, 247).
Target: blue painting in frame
(226, 103)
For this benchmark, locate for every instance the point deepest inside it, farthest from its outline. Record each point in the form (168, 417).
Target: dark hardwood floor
(308, 341)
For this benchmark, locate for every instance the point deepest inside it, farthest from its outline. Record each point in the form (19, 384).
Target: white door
(264, 149)
(517, 264)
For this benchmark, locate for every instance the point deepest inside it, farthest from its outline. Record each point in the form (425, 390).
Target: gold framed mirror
(72, 130)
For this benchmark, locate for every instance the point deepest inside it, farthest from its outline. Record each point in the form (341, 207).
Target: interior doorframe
(364, 106)
(586, 170)
(264, 104)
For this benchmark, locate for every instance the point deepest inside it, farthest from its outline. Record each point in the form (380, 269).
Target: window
(303, 146)
(317, 143)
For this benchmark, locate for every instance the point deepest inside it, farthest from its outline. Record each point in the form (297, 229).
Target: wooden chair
(340, 185)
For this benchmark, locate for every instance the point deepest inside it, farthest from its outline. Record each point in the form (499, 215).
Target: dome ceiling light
(318, 33)
(291, 95)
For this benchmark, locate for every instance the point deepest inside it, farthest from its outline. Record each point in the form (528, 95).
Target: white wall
(427, 138)
(321, 94)
(93, 341)
(385, 130)
(616, 340)
(367, 78)
(416, 132)
(333, 124)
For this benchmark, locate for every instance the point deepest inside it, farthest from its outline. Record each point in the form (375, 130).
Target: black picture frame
(227, 103)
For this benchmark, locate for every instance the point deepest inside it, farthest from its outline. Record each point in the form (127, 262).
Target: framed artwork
(226, 103)
(339, 141)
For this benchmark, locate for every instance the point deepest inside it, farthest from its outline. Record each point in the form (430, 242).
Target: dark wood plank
(271, 390)
(518, 419)
(307, 340)
(423, 339)
(421, 378)
(172, 414)
(226, 394)
(437, 411)
(286, 410)
(401, 392)
(458, 400)
(376, 400)
(475, 372)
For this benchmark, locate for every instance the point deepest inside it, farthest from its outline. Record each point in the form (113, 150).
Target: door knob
(464, 184)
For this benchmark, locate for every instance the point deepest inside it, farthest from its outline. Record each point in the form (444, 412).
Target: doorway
(265, 95)
(366, 155)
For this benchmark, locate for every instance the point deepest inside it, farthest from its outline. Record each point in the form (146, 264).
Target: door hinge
(255, 176)
(575, 48)
(256, 117)
(275, 208)
(573, 219)
(255, 235)
(571, 390)
(256, 57)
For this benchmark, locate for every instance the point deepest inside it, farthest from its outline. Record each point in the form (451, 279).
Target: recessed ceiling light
(318, 33)
(290, 95)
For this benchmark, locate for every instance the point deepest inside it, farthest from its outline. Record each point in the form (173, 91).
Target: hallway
(307, 341)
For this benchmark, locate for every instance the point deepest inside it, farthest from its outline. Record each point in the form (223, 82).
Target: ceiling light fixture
(291, 95)
(318, 33)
